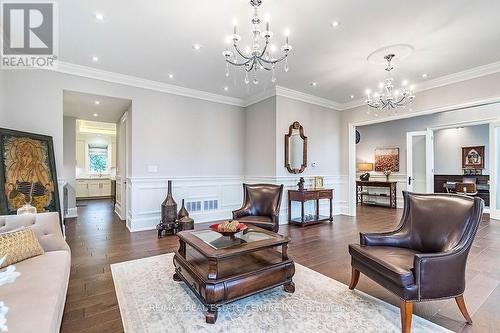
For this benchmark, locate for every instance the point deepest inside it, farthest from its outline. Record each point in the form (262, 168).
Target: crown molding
(259, 97)
(311, 99)
(99, 74)
(468, 74)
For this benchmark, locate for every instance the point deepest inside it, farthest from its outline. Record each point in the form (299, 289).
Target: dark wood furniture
(220, 269)
(307, 195)
(424, 258)
(445, 183)
(362, 193)
(261, 206)
(296, 127)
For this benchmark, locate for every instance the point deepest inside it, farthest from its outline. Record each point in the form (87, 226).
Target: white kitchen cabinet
(93, 188)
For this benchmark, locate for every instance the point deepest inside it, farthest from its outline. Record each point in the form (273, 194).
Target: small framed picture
(318, 182)
(473, 157)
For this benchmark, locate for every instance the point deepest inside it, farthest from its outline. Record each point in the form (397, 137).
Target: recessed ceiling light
(95, 59)
(404, 83)
(97, 102)
(196, 47)
(96, 115)
(226, 88)
(352, 96)
(314, 84)
(99, 16)
(170, 76)
(425, 76)
(335, 24)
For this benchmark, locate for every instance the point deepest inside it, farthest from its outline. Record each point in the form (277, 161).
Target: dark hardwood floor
(98, 238)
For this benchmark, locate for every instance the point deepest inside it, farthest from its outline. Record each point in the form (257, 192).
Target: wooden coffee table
(219, 269)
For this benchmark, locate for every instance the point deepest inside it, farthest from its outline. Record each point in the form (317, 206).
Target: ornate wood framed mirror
(295, 149)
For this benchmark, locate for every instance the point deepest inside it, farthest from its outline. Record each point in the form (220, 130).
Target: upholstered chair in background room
(261, 206)
(424, 258)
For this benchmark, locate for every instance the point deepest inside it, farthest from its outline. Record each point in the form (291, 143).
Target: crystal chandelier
(389, 97)
(256, 59)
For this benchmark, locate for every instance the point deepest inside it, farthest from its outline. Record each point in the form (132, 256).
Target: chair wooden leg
(406, 315)
(354, 278)
(463, 308)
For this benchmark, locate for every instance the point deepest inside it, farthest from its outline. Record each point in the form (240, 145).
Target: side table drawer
(311, 195)
(325, 194)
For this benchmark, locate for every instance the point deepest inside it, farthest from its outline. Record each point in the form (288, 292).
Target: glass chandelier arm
(264, 50)
(241, 53)
(271, 62)
(264, 67)
(239, 64)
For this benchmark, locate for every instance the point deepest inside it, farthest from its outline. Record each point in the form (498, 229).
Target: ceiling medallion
(256, 58)
(388, 96)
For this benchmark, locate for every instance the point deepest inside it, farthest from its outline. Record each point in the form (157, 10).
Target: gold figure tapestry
(28, 172)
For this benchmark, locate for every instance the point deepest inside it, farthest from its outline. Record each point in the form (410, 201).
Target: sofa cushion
(395, 263)
(19, 245)
(36, 299)
(46, 227)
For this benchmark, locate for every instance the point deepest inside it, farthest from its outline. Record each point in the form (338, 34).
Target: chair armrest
(392, 238)
(240, 213)
(441, 274)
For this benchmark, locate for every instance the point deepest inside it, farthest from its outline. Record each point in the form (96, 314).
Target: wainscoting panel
(147, 194)
(119, 198)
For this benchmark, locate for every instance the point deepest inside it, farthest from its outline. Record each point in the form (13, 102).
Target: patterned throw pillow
(19, 245)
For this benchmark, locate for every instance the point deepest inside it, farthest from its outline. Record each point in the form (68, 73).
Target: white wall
(448, 145)
(182, 136)
(322, 128)
(69, 160)
(260, 139)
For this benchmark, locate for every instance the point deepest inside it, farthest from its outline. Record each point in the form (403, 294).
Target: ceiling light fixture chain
(389, 97)
(256, 58)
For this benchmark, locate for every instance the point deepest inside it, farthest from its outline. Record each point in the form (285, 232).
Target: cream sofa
(36, 299)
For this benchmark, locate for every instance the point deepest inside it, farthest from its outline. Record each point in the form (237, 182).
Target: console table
(307, 195)
(361, 185)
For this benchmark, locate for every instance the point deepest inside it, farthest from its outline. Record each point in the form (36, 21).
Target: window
(98, 158)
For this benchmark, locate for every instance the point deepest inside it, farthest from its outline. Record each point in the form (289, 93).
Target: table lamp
(365, 167)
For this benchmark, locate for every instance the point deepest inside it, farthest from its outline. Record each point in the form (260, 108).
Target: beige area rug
(151, 301)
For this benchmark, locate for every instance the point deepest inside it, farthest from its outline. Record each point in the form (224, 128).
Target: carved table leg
(289, 287)
(211, 316)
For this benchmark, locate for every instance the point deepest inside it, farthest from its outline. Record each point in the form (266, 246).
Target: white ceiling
(83, 106)
(150, 39)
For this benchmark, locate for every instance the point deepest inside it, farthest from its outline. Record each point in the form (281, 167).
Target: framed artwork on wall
(387, 159)
(473, 157)
(27, 172)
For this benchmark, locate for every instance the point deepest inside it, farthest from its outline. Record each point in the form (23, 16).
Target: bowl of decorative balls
(228, 228)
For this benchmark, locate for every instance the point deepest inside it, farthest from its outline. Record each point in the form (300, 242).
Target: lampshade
(365, 166)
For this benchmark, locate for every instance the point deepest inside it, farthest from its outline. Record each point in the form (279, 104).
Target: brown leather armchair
(425, 257)
(261, 206)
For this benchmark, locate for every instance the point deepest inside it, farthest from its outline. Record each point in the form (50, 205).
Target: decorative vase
(186, 223)
(387, 173)
(169, 207)
(300, 184)
(182, 212)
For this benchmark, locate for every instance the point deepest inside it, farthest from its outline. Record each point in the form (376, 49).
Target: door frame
(351, 130)
(429, 158)
(494, 168)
